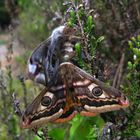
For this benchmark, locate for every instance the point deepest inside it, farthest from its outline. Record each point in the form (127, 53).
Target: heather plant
(132, 88)
(115, 20)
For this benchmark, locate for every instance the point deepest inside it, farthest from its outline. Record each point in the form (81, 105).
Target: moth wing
(45, 108)
(36, 67)
(94, 95)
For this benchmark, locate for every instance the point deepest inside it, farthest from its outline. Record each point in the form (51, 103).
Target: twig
(121, 70)
(3, 93)
(118, 75)
(16, 105)
(108, 132)
(43, 136)
(137, 9)
(82, 31)
(24, 90)
(87, 4)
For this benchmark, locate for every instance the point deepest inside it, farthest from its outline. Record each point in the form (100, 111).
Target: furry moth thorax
(75, 92)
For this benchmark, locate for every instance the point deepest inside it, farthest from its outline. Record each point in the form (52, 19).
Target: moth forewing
(36, 68)
(94, 95)
(41, 121)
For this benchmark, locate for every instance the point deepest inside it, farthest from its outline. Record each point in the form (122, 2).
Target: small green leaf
(136, 51)
(90, 22)
(89, 25)
(100, 39)
(138, 37)
(78, 50)
(70, 24)
(130, 65)
(72, 14)
(133, 39)
(130, 44)
(73, 17)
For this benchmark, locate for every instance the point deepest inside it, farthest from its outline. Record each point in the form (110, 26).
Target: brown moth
(74, 92)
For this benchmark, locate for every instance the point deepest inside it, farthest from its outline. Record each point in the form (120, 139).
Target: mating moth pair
(68, 89)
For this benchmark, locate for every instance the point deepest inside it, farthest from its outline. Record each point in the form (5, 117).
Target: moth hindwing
(46, 107)
(74, 92)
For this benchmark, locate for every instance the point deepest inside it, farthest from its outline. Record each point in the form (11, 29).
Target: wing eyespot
(97, 91)
(46, 101)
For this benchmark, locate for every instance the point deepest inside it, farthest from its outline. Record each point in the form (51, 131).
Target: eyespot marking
(46, 101)
(97, 91)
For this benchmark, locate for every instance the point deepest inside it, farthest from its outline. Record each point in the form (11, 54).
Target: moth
(46, 58)
(74, 92)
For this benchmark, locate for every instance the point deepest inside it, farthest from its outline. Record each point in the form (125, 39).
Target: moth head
(45, 108)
